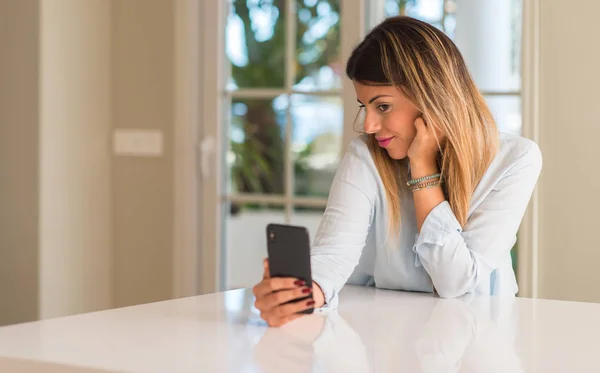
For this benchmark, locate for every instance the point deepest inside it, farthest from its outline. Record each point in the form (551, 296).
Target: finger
(420, 125)
(271, 285)
(272, 300)
(266, 271)
(293, 308)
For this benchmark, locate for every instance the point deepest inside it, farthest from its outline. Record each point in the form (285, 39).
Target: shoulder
(517, 153)
(357, 166)
(514, 171)
(359, 148)
(518, 160)
(357, 159)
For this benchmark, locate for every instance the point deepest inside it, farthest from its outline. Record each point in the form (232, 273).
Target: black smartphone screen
(288, 248)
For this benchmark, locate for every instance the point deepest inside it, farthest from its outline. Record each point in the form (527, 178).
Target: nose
(372, 125)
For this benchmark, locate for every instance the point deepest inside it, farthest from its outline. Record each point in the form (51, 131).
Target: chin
(397, 155)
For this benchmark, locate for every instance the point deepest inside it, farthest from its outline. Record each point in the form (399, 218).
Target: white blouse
(353, 246)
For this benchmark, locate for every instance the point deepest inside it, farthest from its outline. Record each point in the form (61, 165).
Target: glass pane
(318, 45)
(256, 145)
(316, 142)
(255, 43)
(507, 112)
(246, 241)
(431, 11)
(449, 23)
(488, 34)
(308, 217)
(392, 8)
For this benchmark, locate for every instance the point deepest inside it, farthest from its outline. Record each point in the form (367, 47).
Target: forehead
(366, 91)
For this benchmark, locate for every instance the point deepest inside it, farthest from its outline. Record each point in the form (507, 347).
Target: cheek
(402, 125)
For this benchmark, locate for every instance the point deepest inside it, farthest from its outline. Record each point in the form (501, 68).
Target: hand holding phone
(273, 296)
(286, 289)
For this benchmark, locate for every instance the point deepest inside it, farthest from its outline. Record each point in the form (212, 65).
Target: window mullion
(290, 73)
(256, 92)
(352, 28)
(500, 93)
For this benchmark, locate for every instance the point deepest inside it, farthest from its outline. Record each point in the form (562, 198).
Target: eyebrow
(373, 99)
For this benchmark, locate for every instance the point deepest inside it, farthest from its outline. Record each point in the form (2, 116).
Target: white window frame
(199, 96)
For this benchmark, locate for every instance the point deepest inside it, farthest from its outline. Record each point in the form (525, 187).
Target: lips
(384, 142)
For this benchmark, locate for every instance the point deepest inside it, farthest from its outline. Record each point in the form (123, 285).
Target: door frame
(528, 255)
(198, 28)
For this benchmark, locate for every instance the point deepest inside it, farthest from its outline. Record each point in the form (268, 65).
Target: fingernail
(299, 283)
(310, 302)
(306, 290)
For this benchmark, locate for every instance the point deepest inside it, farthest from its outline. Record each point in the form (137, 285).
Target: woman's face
(389, 116)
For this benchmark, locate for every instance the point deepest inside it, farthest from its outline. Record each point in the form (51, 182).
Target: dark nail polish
(299, 283)
(306, 291)
(310, 302)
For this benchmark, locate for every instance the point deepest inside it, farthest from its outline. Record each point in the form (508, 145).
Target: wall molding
(528, 255)
(186, 124)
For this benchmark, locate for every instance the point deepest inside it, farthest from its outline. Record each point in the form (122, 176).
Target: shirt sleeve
(344, 227)
(456, 259)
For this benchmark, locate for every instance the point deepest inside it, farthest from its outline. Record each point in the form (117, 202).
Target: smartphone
(288, 248)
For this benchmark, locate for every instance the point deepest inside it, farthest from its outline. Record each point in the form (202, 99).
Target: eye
(361, 106)
(384, 108)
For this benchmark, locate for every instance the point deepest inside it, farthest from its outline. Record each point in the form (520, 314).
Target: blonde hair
(428, 68)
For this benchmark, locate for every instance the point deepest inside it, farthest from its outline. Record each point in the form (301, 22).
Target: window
(284, 123)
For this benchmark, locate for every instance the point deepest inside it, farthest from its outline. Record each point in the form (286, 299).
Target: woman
(430, 197)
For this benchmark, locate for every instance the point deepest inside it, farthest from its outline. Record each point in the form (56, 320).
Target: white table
(372, 331)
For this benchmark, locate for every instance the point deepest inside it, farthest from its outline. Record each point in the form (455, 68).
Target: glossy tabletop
(372, 331)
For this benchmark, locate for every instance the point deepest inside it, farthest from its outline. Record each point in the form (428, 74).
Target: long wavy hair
(427, 67)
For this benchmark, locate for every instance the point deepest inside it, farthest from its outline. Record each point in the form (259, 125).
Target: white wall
(142, 97)
(569, 139)
(81, 230)
(107, 234)
(19, 122)
(75, 161)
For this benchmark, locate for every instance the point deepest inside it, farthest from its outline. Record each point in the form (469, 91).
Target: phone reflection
(315, 343)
